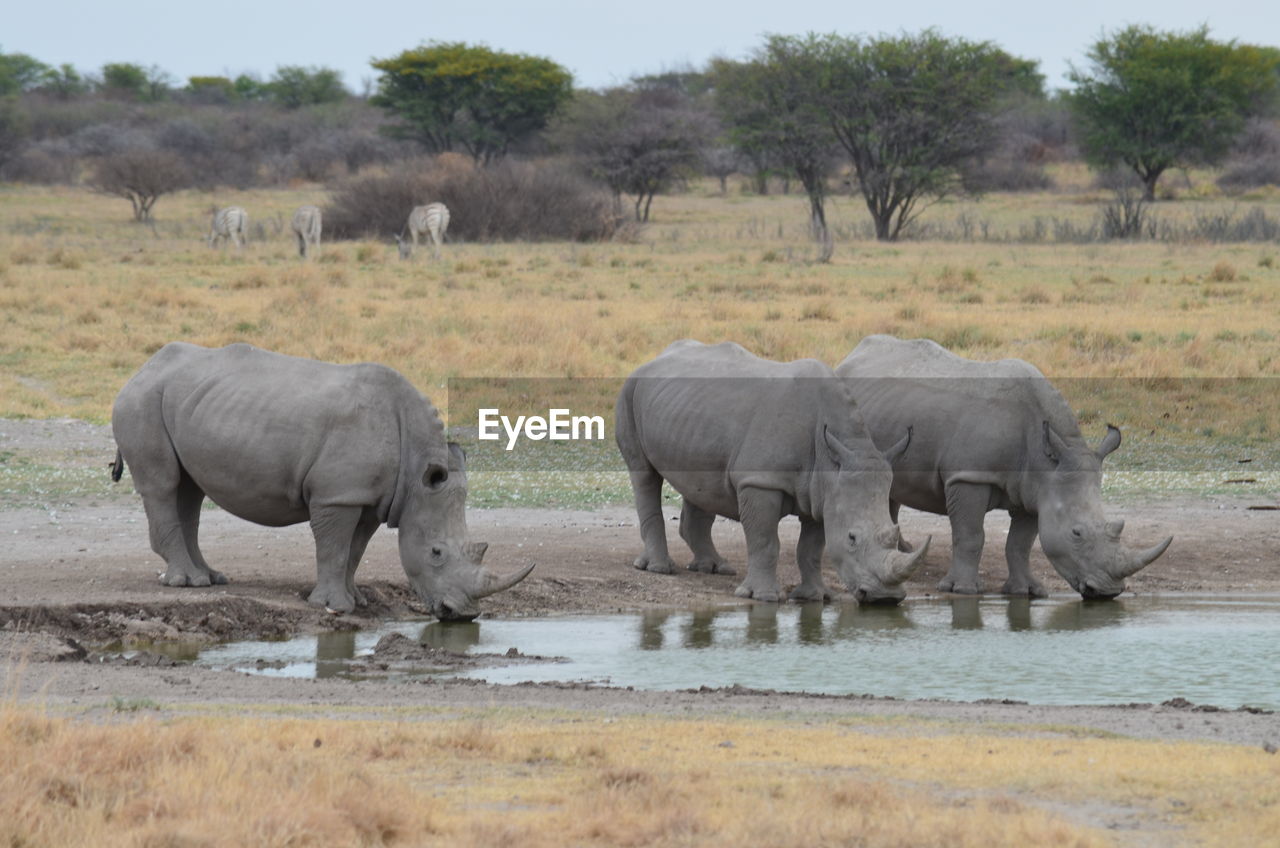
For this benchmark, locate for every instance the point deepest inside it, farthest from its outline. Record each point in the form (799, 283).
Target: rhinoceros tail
(117, 467)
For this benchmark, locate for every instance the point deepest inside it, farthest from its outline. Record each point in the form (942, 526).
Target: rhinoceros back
(266, 435)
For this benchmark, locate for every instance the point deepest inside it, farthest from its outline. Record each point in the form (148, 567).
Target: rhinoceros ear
(457, 457)
(1109, 443)
(840, 455)
(1054, 447)
(895, 453)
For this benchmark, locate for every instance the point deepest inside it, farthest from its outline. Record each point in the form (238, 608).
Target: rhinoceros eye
(853, 538)
(1075, 531)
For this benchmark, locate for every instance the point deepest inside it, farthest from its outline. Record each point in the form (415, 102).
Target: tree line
(901, 120)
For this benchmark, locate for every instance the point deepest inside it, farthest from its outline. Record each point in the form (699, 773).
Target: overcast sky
(602, 43)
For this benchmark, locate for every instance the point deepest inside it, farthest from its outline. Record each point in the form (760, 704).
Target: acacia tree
(451, 96)
(1155, 100)
(911, 111)
(141, 176)
(771, 108)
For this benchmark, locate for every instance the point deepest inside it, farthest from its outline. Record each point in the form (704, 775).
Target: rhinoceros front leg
(334, 528)
(646, 485)
(695, 529)
(365, 529)
(1017, 551)
(760, 511)
(966, 509)
(809, 558)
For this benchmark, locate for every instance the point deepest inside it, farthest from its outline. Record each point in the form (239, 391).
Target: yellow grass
(86, 295)
(535, 778)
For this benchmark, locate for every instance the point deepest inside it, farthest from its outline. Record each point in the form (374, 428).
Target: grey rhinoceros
(994, 435)
(279, 440)
(755, 440)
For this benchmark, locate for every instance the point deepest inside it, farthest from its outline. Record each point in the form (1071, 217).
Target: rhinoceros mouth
(1089, 593)
(444, 612)
(862, 596)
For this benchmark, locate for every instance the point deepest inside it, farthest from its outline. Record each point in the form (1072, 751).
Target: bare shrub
(48, 163)
(1006, 174)
(140, 176)
(510, 201)
(1251, 173)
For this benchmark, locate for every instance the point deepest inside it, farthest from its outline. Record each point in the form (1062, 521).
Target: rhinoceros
(755, 440)
(994, 435)
(279, 440)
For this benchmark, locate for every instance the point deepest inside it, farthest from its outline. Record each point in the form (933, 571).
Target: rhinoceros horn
(1138, 560)
(492, 584)
(899, 566)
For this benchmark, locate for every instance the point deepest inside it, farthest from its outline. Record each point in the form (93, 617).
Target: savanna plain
(1175, 341)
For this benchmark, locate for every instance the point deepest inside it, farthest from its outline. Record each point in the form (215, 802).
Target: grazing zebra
(432, 219)
(231, 224)
(306, 227)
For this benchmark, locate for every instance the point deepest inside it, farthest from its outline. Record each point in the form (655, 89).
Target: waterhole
(1209, 650)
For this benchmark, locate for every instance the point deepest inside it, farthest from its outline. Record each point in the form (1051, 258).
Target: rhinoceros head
(1081, 544)
(442, 563)
(861, 540)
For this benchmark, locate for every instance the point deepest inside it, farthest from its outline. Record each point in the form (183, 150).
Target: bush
(510, 201)
(49, 163)
(1253, 172)
(1006, 175)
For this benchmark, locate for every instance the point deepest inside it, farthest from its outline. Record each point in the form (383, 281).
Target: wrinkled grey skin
(279, 440)
(755, 440)
(994, 435)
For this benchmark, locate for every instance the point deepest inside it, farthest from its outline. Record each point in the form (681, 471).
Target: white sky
(602, 43)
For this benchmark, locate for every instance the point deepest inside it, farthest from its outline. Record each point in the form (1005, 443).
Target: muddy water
(1210, 650)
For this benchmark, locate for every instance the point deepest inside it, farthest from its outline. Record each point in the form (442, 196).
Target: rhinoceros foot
(336, 599)
(1030, 588)
(760, 591)
(803, 594)
(959, 587)
(196, 577)
(711, 565)
(658, 566)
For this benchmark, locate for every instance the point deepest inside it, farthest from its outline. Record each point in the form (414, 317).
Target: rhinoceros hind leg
(966, 509)
(172, 503)
(760, 511)
(695, 529)
(646, 485)
(809, 559)
(1017, 550)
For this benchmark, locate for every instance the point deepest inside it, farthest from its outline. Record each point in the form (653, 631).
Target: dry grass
(534, 779)
(86, 296)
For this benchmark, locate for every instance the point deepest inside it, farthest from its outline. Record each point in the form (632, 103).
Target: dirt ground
(80, 576)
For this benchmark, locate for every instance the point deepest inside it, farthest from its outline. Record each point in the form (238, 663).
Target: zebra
(231, 224)
(432, 219)
(306, 227)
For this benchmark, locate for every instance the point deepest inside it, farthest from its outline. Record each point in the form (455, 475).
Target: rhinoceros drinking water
(279, 440)
(756, 440)
(994, 435)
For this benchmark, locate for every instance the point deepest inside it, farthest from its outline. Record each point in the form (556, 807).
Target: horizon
(600, 48)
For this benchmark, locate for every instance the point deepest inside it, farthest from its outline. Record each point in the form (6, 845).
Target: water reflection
(333, 650)
(1086, 615)
(966, 614)
(456, 636)
(851, 619)
(1018, 612)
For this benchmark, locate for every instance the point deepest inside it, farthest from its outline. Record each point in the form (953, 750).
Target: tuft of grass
(1223, 272)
